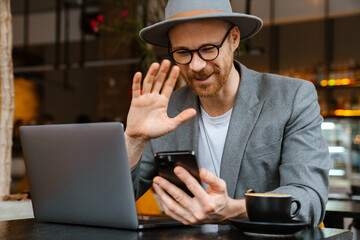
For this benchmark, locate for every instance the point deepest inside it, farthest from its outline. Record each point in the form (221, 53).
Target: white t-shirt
(211, 143)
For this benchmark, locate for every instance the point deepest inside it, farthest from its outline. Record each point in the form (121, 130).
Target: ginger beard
(208, 89)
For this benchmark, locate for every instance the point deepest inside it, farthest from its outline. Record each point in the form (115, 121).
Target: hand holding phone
(167, 161)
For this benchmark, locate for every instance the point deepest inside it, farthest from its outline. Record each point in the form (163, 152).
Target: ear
(235, 38)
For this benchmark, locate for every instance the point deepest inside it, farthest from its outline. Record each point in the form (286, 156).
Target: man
(249, 130)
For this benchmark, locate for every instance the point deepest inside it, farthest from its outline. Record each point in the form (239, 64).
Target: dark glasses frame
(171, 53)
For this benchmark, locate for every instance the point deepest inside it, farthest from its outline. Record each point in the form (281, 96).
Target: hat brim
(157, 34)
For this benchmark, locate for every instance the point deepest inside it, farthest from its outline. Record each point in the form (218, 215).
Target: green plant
(128, 18)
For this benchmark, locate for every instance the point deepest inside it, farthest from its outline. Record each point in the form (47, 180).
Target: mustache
(203, 73)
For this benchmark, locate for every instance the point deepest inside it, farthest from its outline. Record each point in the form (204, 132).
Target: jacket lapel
(245, 113)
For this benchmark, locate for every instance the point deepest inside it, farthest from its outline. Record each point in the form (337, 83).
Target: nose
(197, 64)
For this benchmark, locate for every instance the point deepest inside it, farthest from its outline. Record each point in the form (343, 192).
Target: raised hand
(147, 117)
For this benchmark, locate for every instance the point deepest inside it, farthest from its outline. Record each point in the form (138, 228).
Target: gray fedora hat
(179, 11)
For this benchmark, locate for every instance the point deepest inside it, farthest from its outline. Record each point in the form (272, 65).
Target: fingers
(161, 75)
(191, 183)
(176, 193)
(155, 78)
(216, 184)
(149, 78)
(170, 82)
(169, 205)
(173, 205)
(184, 116)
(136, 88)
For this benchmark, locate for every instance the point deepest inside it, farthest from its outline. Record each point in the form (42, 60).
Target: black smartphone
(167, 161)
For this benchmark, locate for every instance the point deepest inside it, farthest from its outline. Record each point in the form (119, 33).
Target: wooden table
(29, 229)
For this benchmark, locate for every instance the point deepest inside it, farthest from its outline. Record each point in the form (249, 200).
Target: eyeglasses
(206, 52)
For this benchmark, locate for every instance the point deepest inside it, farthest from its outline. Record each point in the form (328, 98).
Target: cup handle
(298, 206)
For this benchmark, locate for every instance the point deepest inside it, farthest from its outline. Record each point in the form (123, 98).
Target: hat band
(192, 13)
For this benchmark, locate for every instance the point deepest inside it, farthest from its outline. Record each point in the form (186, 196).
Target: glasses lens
(209, 52)
(182, 56)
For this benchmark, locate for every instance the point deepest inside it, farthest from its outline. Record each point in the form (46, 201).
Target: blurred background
(74, 61)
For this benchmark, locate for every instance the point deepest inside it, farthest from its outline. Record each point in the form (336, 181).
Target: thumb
(216, 184)
(184, 116)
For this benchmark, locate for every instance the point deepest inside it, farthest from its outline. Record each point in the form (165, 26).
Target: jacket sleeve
(144, 172)
(305, 160)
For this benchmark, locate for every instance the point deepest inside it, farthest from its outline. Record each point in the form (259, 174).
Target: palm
(148, 118)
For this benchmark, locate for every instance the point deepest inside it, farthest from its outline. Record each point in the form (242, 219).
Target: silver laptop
(79, 174)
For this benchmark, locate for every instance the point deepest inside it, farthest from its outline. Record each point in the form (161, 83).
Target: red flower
(100, 17)
(93, 23)
(124, 13)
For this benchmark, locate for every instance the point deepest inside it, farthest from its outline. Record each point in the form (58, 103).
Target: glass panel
(337, 133)
(343, 138)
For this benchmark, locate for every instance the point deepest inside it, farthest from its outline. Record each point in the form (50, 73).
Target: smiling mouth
(203, 78)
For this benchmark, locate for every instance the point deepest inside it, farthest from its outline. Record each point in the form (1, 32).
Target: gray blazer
(274, 142)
